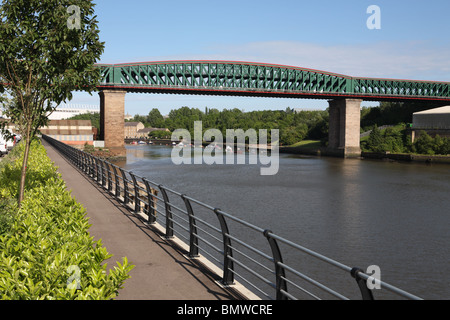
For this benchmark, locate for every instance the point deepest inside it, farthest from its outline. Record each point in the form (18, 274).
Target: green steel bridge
(344, 93)
(262, 80)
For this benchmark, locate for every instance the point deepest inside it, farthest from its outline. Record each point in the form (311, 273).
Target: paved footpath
(161, 271)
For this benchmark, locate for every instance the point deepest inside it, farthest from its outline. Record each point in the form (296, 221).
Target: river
(358, 212)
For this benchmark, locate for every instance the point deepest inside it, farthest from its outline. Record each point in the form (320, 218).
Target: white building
(70, 110)
(433, 121)
(438, 118)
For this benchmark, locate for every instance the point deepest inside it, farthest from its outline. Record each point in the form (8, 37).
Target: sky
(412, 42)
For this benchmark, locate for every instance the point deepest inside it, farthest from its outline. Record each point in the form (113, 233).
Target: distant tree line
(94, 117)
(292, 126)
(392, 113)
(397, 140)
(298, 126)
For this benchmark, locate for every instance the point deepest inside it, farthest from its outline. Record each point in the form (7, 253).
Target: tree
(375, 141)
(424, 144)
(155, 119)
(48, 49)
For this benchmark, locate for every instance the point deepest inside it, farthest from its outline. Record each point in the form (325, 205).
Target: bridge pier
(112, 119)
(344, 128)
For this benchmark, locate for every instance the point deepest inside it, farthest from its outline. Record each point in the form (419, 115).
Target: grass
(311, 144)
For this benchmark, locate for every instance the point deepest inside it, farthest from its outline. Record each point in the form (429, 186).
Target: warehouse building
(434, 122)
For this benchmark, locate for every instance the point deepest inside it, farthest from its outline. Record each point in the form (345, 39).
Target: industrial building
(434, 121)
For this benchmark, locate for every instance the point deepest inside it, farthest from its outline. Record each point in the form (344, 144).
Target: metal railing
(267, 263)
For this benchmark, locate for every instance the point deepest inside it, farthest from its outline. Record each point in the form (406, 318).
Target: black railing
(204, 232)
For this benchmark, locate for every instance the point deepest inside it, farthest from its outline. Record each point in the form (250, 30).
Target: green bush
(7, 214)
(425, 144)
(47, 252)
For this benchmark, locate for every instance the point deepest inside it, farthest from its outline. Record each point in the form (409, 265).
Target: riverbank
(406, 157)
(311, 148)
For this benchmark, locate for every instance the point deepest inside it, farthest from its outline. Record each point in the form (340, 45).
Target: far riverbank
(406, 157)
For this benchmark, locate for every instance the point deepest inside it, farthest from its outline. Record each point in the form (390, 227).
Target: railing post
(151, 203)
(228, 265)
(169, 220)
(83, 162)
(77, 157)
(108, 170)
(92, 165)
(89, 164)
(94, 168)
(99, 170)
(137, 201)
(366, 293)
(116, 180)
(193, 240)
(280, 275)
(102, 163)
(125, 186)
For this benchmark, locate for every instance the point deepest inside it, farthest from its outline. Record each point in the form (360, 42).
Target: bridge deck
(161, 271)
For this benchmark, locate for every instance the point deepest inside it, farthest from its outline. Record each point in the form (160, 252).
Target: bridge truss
(265, 80)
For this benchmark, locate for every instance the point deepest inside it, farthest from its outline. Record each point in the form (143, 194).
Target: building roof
(146, 130)
(441, 110)
(71, 123)
(132, 124)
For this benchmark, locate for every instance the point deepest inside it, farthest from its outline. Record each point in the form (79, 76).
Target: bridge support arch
(344, 128)
(112, 120)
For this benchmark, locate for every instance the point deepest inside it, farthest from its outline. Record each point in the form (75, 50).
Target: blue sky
(413, 42)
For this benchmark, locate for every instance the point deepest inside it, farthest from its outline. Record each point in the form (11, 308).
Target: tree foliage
(43, 59)
(392, 113)
(47, 239)
(293, 126)
(397, 140)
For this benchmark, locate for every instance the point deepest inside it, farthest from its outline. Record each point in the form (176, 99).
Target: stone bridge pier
(112, 119)
(344, 128)
(344, 124)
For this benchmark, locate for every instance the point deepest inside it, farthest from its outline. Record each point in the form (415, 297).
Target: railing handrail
(143, 194)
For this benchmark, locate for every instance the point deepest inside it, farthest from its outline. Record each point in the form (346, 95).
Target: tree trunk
(28, 140)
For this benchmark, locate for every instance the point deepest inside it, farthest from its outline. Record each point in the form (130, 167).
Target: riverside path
(161, 272)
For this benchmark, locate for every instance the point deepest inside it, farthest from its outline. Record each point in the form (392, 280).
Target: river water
(358, 212)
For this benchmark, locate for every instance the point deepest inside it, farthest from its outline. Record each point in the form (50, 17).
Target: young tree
(375, 141)
(48, 49)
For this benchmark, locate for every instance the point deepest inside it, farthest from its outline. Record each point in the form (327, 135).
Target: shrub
(424, 144)
(48, 245)
(7, 214)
